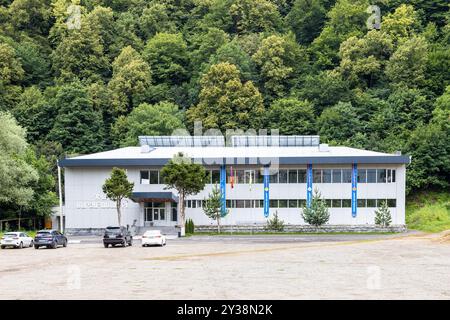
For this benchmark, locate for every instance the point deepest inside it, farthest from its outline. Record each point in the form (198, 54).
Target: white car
(153, 237)
(16, 240)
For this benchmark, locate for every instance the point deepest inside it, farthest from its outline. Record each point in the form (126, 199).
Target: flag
(231, 177)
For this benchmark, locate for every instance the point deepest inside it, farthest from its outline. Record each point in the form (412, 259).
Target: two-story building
(258, 176)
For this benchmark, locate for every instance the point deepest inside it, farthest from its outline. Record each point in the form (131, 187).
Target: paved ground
(241, 267)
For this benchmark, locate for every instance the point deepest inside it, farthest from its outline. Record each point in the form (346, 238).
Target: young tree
(117, 188)
(213, 206)
(275, 223)
(317, 214)
(186, 177)
(383, 215)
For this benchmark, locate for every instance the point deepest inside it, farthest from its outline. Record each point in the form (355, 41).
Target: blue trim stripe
(309, 185)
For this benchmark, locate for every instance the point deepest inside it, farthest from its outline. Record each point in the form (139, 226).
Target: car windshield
(152, 233)
(10, 235)
(43, 233)
(113, 230)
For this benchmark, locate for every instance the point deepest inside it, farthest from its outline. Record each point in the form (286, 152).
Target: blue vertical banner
(223, 187)
(309, 187)
(354, 189)
(266, 191)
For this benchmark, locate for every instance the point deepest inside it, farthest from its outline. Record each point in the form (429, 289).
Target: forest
(85, 76)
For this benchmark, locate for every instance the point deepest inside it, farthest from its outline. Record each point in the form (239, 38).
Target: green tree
(11, 74)
(30, 15)
(116, 188)
(213, 206)
(408, 64)
(16, 174)
(255, 16)
(167, 56)
(188, 178)
(154, 120)
(131, 78)
(78, 127)
(226, 102)
(306, 19)
(35, 113)
(275, 223)
(280, 61)
(383, 215)
(338, 123)
(317, 214)
(402, 23)
(291, 117)
(155, 19)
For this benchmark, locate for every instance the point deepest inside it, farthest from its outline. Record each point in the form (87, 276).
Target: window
(381, 175)
(346, 203)
(248, 204)
(336, 203)
(293, 203)
(392, 203)
(337, 176)
(154, 177)
(249, 176)
(240, 203)
(174, 214)
(228, 203)
(380, 202)
(144, 177)
(273, 178)
(282, 204)
(317, 176)
(393, 175)
(162, 215)
(328, 203)
(259, 176)
(256, 203)
(362, 176)
(215, 176)
(371, 203)
(346, 176)
(326, 176)
(282, 176)
(301, 203)
(292, 176)
(273, 203)
(194, 203)
(302, 176)
(390, 175)
(239, 176)
(371, 176)
(361, 203)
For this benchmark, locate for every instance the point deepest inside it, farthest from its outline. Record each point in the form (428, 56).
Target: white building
(353, 181)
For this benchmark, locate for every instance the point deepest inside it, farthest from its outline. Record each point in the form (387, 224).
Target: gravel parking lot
(245, 267)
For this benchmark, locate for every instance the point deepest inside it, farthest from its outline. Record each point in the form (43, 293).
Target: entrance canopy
(154, 197)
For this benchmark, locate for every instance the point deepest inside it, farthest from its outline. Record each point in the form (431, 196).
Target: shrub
(275, 224)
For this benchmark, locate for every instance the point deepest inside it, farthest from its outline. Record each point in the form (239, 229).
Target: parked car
(153, 237)
(50, 239)
(16, 240)
(117, 235)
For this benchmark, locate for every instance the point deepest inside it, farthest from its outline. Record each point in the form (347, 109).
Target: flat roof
(158, 156)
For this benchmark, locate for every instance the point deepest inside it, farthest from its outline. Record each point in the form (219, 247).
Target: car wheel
(3, 247)
(21, 245)
(31, 243)
(106, 245)
(65, 243)
(36, 246)
(54, 245)
(130, 243)
(124, 244)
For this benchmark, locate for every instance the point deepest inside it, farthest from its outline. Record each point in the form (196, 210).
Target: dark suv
(49, 239)
(117, 235)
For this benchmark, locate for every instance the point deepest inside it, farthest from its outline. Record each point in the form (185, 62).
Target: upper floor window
(150, 177)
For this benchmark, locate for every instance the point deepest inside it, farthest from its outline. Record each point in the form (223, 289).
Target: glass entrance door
(154, 214)
(159, 214)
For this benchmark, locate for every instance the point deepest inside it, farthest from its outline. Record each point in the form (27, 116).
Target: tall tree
(131, 78)
(306, 19)
(78, 127)
(146, 119)
(11, 73)
(226, 102)
(291, 117)
(116, 188)
(188, 178)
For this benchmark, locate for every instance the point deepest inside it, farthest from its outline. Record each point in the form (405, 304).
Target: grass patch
(428, 211)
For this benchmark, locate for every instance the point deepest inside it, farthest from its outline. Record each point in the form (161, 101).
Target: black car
(49, 239)
(117, 235)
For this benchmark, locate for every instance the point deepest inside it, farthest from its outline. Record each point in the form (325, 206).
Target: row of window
(296, 203)
(288, 176)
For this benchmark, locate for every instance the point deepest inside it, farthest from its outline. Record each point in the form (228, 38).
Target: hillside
(428, 211)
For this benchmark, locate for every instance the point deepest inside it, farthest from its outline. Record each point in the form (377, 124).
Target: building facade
(257, 177)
